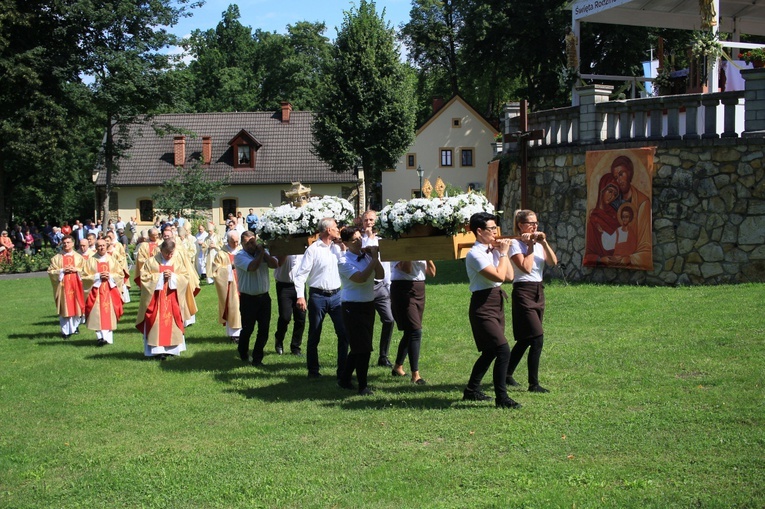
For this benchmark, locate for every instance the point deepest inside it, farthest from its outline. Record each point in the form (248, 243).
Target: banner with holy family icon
(619, 184)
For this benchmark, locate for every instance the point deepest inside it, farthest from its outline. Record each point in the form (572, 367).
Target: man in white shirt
(319, 269)
(252, 264)
(382, 290)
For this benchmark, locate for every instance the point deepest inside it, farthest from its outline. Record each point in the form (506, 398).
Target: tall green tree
(120, 45)
(366, 113)
(291, 65)
(432, 36)
(223, 72)
(41, 135)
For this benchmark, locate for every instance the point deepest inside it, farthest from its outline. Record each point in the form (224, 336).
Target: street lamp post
(420, 173)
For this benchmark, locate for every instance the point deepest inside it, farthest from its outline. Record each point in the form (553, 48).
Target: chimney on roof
(286, 110)
(438, 103)
(179, 149)
(206, 149)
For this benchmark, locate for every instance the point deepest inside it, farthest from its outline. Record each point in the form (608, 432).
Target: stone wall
(708, 210)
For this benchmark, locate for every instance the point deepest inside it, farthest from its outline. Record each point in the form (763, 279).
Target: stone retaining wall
(708, 210)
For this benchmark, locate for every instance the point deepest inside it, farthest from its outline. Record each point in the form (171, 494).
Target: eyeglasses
(532, 223)
(491, 228)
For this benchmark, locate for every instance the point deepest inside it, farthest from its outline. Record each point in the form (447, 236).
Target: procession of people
(340, 275)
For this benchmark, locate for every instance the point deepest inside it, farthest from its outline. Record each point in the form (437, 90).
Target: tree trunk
(5, 218)
(108, 165)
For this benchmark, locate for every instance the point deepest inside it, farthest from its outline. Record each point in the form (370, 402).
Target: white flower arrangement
(288, 220)
(450, 215)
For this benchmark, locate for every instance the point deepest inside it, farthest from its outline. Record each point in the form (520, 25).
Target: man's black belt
(325, 293)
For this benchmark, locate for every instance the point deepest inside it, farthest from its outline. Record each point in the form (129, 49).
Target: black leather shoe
(314, 375)
(537, 388)
(245, 357)
(420, 381)
(279, 349)
(468, 395)
(384, 362)
(508, 403)
(366, 391)
(510, 382)
(257, 364)
(346, 385)
(297, 353)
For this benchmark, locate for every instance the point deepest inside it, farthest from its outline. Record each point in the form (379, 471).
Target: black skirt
(407, 301)
(528, 310)
(487, 318)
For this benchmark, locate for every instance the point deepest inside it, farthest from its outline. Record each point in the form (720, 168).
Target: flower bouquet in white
(288, 220)
(448, 216)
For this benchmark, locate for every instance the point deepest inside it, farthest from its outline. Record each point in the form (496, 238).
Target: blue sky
(275, 15)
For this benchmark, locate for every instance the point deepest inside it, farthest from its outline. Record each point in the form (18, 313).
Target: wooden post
(522, 137)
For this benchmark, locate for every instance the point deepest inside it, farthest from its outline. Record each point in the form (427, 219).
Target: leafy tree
(188, 192)
(223, 76)
(431, 37)
(291, 65)
(41, 160)
(120, 43)
(366, 113)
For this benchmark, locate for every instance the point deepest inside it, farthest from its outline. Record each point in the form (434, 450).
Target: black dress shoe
(537, 388)
(384, 362)
(101, 342)
(468, 395)
(257, 364)
(346, 385)
(65, 336)
(297, 353)
(279, 349)
(245, 357)
(420, 381)
(314, 374)
(510, 381)
(507, 403)
(366, 391)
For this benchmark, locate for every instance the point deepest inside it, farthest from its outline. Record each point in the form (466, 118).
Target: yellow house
(261, 154)
(456, 143)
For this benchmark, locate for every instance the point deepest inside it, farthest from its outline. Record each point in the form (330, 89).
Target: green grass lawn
(656, 401)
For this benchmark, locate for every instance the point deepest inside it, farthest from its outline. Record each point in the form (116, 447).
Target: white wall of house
(258, 197)
(456, 128)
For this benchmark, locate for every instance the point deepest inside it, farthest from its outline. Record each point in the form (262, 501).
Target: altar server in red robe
(103, 307)
(163, 280)
(65, 275)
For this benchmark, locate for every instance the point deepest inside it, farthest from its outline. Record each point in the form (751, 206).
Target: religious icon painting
(492, 187)
(619, 197)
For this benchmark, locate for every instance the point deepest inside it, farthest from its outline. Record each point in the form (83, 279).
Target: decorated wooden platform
(437, 247)
(292, 245)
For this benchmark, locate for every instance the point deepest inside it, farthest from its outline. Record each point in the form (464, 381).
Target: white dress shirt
(477, 260)
(285, 271)
(352, 291)
(318, 268)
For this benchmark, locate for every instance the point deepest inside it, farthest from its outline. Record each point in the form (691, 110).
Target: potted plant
(755, 56)
(662, 83)
(706, 47)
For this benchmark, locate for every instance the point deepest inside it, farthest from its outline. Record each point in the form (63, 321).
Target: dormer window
(244, 155)
(244, 149)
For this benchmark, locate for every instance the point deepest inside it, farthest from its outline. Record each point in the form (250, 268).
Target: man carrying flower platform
(65, 275)
(163, 279)
(103, 308)
(226, 286)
